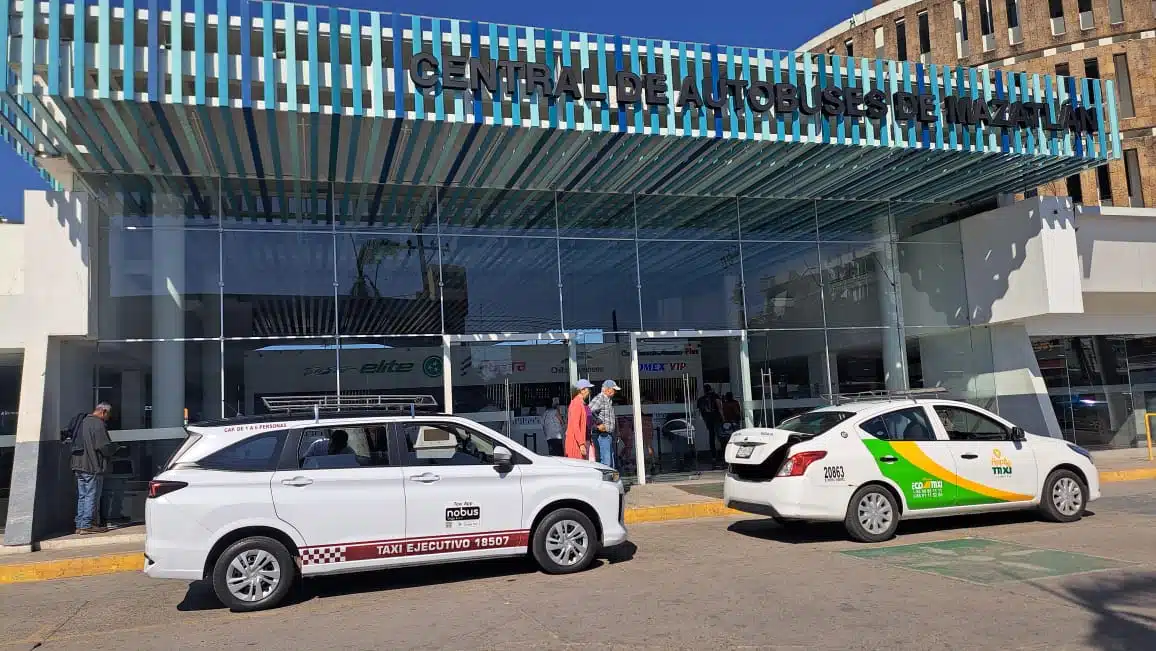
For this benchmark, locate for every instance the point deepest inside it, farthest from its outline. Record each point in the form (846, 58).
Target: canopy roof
(282, 98)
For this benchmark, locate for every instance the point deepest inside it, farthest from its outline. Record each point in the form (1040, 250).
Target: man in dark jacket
(91, 452)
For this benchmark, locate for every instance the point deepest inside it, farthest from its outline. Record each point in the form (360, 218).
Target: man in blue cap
(605, 422)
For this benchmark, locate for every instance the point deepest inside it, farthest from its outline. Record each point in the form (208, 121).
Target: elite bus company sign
(490, 78)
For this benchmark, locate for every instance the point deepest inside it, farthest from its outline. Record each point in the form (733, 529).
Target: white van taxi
(871, 463)
(253, 503)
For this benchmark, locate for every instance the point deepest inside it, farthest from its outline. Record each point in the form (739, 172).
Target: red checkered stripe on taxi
(363, 551)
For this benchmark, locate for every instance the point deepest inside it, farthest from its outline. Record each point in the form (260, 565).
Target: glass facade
(215, 300)
(1102, 387)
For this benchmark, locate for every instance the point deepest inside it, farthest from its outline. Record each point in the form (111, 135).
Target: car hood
(579, 463)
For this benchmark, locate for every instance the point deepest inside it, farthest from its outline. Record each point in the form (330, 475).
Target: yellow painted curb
(68, 568)
(712, 509)
(1109, 476)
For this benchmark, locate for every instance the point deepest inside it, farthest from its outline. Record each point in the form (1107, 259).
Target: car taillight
(158, 488)
(797, 464)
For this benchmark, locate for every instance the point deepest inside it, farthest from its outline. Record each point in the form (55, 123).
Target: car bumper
(173, 563)
(787, 498)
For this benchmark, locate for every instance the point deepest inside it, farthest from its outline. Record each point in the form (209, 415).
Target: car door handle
(297, 481)
(887, 458)
(970, 456)
(425, 478)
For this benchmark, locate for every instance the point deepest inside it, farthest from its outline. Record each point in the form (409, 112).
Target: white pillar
(168, 291)
(636, 396)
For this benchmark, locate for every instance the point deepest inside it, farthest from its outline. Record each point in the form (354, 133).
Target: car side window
(445, 444)
(343, 446)
(967, 425)
(908, 424)
(258, 453)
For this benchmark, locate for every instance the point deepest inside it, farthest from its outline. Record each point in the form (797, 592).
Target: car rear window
(814, 422)
(190, 440)
(258, 453)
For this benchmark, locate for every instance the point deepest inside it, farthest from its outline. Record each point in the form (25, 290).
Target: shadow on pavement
(1115, 600)
(200, 595)
(801, 532)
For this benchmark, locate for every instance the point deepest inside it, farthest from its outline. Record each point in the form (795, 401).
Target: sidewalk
(121, 550)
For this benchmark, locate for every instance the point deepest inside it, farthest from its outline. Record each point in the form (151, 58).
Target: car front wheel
(253, 574)
(1065, 496)
(565, 541)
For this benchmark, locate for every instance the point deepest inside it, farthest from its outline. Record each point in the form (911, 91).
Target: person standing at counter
(577, 422)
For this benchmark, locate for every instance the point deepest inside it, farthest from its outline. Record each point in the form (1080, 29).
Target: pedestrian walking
(710, 408)
(605, 422)
(578, 422)
(554, 428)
(92, 452)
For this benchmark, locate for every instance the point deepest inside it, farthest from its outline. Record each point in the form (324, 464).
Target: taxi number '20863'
(833, 473)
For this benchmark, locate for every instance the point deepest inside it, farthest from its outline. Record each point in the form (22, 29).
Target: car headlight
(610, 475)
(1079, 450)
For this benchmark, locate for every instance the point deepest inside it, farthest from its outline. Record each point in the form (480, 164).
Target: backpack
(71, 433)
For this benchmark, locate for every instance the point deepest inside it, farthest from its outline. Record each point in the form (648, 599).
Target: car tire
(254, 574)
(872, 515)
(564, 542)
(1064, 498)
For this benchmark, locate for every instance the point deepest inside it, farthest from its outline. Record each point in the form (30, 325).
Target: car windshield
(814, 423)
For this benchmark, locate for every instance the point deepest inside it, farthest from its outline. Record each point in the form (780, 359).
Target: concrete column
(132, 399)
(211, 380)
(168, 292)
(60, 237)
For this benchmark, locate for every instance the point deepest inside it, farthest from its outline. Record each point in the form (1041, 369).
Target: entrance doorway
(507, 382)
(692, 389)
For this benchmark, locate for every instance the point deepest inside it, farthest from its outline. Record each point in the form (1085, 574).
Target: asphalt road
(715, 583)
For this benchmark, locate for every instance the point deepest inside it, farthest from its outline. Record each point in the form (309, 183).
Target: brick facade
(1135, 37)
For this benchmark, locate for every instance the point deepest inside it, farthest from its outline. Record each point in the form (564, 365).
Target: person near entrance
(91, 452)
(577, 424)
(710, 407)
(554, 427)
(605, 422)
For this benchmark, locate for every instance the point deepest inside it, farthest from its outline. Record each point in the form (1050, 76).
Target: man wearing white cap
(602, 407)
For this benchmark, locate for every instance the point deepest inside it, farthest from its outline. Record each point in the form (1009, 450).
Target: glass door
(791, 371)
(507, 382)
(693, 391)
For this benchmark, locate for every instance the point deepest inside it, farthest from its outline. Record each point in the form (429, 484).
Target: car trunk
(757, 455)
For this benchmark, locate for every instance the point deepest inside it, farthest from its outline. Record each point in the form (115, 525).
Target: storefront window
(388, 284)
(501, 284)
(691, 285)
(1100, 398)
(600, 284)
(265, 376)
(783, 285)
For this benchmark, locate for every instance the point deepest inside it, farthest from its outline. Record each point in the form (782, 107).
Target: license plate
(744, 453)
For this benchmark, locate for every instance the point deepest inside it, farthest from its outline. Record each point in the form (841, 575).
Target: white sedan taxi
(872, 463)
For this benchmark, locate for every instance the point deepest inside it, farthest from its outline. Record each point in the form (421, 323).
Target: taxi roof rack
(887, 395)
(329, 403)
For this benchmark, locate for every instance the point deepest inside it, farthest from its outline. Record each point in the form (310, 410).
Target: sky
(768, 24)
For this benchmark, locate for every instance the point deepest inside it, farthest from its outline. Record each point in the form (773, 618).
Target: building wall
(1039, 52)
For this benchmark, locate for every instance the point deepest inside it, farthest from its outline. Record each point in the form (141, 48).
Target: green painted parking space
(986, 562)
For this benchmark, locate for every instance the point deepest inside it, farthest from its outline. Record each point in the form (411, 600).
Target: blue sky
(770, 24)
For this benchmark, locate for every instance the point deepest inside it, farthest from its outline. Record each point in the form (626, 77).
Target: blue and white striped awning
(278, 98)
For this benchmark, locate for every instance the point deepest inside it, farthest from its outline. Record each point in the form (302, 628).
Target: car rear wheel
(872, 515)
(565, 541)
(253, 574)
(1065, 496)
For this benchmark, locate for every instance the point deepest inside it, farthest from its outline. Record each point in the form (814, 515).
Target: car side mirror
(503, 458)
(1017, 434)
